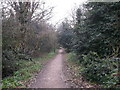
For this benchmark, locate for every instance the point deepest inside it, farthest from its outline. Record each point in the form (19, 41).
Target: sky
(62, 8)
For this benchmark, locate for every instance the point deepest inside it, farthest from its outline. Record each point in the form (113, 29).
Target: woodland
(91, 38)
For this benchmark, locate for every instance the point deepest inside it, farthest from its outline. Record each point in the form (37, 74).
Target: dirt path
(52, 75)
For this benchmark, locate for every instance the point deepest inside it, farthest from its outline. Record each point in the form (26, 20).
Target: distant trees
(25, 32)
(65, 35)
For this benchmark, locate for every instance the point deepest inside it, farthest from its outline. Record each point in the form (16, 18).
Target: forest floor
(57, 74)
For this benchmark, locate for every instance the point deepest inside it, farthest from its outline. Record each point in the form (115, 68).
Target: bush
(13, 59)
(73, 56)
(99, 70)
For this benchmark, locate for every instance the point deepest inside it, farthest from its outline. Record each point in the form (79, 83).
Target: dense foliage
(26, 33)
(96, 41)
(65, 35)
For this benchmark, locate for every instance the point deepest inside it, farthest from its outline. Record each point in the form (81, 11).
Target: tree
(95, 27)
(65, 35)
(96, 41)
(24, 37)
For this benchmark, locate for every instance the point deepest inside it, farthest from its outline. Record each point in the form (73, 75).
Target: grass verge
(28, 69)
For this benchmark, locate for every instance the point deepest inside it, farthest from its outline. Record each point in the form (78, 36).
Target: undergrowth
(26, 71)
(97, 70)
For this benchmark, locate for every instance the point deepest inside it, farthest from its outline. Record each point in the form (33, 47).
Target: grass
(28, 69)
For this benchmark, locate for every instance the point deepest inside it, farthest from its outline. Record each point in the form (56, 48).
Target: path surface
(52, 74)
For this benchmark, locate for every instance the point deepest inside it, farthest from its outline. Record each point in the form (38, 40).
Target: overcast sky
(62, 8)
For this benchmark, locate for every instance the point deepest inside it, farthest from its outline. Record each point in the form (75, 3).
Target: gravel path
(51, 76)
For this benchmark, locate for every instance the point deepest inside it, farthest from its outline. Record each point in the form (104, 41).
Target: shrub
(99, 70)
